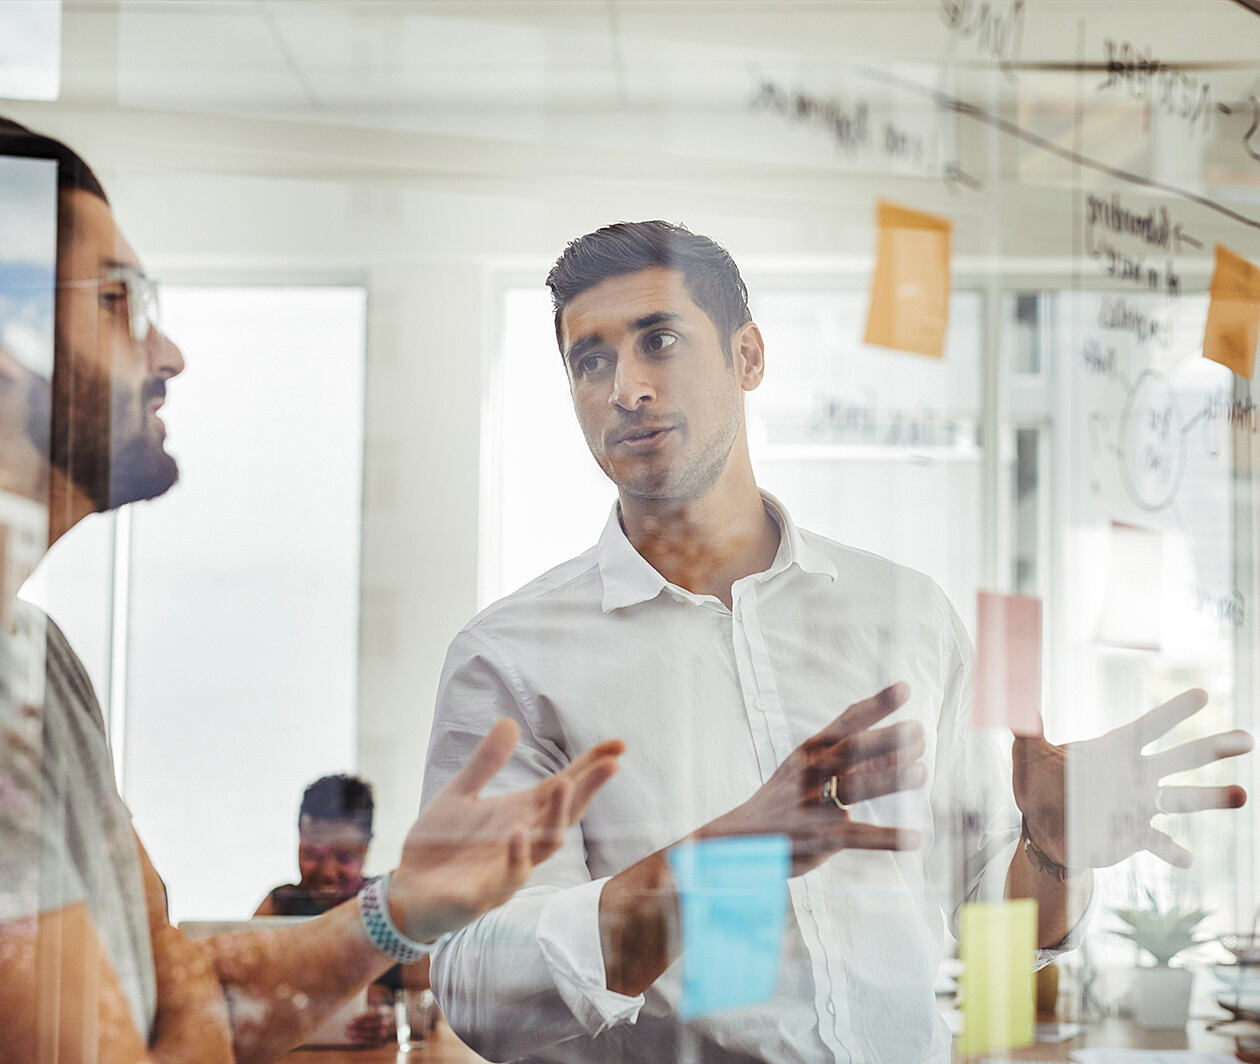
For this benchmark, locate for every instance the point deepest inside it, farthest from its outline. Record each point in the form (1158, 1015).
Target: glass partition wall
(1002, 258)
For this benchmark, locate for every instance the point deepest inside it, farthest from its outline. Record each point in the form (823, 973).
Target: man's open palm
(1089, 804)
(466, 854)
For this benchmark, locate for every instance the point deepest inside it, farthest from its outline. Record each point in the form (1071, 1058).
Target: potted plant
(1161, 994)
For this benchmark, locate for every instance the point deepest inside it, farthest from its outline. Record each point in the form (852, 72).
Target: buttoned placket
(773, 743)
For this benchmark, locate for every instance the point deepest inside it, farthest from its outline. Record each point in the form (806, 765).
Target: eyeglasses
(132, 291)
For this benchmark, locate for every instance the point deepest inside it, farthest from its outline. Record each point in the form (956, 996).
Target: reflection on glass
(28, 256)
(1073, 446)
(1023, 319)
(30, 49)
(1026, 510)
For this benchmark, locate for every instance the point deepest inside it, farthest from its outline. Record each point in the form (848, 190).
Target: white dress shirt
(710, 701)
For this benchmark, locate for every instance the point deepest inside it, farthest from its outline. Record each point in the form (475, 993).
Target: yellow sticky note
(1233, 321)
(910, 290)
(998, 949)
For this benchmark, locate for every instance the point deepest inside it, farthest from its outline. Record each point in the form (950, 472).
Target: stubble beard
(684, 481)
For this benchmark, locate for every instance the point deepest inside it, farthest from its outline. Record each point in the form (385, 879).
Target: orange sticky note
(1233, 321)
(1008, 663)
(910, 290)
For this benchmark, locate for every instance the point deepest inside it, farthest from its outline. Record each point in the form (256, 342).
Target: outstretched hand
(866, 762)
(1110, 790)
(466, 854)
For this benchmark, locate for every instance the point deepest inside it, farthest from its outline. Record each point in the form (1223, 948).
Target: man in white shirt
(720, 640)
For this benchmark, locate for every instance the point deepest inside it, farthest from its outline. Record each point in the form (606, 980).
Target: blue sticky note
(733, 900)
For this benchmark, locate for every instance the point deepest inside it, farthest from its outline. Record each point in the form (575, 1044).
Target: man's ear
(749, 353)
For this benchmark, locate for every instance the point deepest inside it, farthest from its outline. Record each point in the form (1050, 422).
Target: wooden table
(1118, 1033)
(443, 1047)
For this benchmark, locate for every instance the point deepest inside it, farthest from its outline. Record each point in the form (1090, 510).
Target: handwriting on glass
(996, 27)
(1120, 315)
(1249, 107)
(1226, 607)
(1152, 227)
(859, 421)
(849, 122)
(1169, 89)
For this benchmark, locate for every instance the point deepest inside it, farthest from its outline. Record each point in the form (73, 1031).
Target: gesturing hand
(867, 762)
(466, 854)
(1110, 790)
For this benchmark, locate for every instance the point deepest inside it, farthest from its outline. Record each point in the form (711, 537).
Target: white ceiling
(560, 92)
(408, 63)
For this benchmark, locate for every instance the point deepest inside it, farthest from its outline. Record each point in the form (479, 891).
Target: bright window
(232, 656)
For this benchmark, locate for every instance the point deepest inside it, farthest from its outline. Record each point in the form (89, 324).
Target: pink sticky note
(1008, 663)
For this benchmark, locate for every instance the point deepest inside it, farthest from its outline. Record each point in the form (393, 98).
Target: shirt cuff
(1076, 934)
(568, 935)
(1070, 941)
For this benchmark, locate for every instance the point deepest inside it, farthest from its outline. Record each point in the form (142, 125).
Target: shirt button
(806, 904)
(831, 1007)
(739, 613)
(761, 705)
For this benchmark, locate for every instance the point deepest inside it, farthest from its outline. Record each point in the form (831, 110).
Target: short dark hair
(73, 174)
(711, 276)
(339, 797)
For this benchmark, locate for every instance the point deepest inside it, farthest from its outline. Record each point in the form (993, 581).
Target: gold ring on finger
(831, 793)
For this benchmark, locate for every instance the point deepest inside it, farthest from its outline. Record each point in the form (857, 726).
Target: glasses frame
(143, 300)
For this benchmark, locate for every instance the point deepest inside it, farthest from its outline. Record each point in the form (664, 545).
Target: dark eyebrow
(582, 346)
(118, 264)
(647, 321)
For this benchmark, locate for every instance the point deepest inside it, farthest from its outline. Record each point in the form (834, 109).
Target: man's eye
(592, 364)
(112, 298)
(661, 340)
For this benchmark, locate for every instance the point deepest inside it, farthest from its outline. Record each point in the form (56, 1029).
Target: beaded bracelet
(380, 929)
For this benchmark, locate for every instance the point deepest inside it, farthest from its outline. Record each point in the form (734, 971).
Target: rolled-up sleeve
(530, 973)
(568, 935)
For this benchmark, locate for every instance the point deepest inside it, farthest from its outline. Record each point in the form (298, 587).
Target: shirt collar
(794, 549)
(628, 579)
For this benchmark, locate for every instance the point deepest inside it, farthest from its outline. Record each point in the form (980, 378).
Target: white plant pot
(1161, 997)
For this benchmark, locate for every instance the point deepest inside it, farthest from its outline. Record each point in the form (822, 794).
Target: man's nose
(632, 384)
(165, 358)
